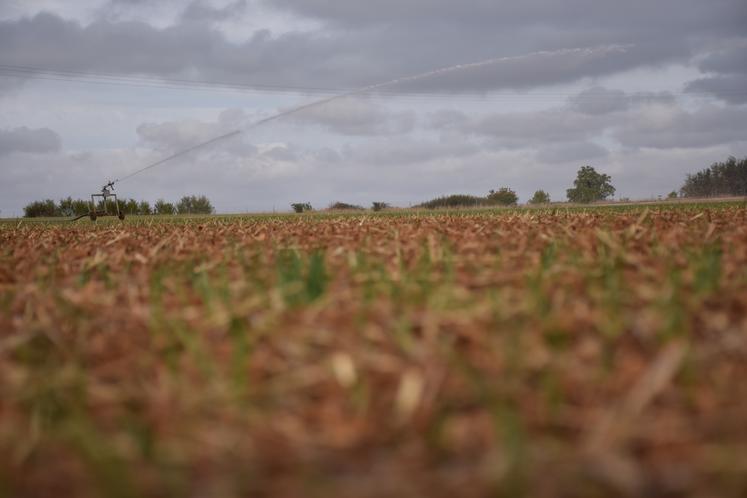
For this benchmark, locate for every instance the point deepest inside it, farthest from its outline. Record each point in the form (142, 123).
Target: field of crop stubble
(598, 352)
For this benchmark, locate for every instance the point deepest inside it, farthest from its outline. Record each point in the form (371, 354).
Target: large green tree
(590, 186)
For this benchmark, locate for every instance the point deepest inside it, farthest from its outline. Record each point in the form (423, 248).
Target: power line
(279, 91)
(99, 78)
(177, 81)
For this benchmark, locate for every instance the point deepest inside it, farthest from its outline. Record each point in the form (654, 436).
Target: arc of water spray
(377, 86)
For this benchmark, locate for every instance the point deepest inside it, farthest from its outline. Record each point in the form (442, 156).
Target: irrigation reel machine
(107, 194)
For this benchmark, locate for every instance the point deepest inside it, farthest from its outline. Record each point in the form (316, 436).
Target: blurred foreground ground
(597, 352)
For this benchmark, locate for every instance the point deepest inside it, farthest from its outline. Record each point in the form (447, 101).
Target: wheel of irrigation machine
(121, 216)
(92, 216)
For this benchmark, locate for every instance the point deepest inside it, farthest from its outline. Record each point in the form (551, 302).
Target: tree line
(48, 208)
(725, 178)
(589, 186)
(303, 207)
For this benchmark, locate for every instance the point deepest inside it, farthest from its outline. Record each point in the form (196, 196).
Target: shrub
(81, 207)
(37, 209)
(345, 206)
(540, 197)
(111, 207)
(380, 206)
(78, 207)
(504, 196)
(452, 201)
(163, 207)
(144, 208)
(301, 207)
(131, 206)
(73, 207)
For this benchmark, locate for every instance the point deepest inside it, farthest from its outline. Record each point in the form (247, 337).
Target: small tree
(111, 206)
(81, 207)
(191, 204)
(590, 186)
(672, 195)
(131, 207)
(163, 207)
(301, 207)
(144, 208)
(504, 196)
(36, 209)
(66, 207)
(380, 206)
(540, 197)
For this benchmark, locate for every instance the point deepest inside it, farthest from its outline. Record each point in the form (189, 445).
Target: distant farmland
(543, 352)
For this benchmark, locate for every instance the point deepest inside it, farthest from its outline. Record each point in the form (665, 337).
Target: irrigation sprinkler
(107, 193)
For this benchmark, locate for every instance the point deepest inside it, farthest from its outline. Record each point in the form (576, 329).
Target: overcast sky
(93, 90)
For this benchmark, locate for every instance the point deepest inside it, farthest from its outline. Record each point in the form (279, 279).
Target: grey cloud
(665, 127)
(35, 141)
(409, 151)
(281, 152)
(354, 116)
(9, 84)
(729, 60)
(200, 10)
(327, 155)
(727, 69)
(173, 136)
(651, 98)
(448, 119)
(170, 137)
(531, 128)
(520, 130)
(729, 88)
(358, 57)
(445, 31)
(129, 2)
(177, 135)
(592, 14)
(574, 151)
(599, 100)
(639, 120)
(531, 70)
